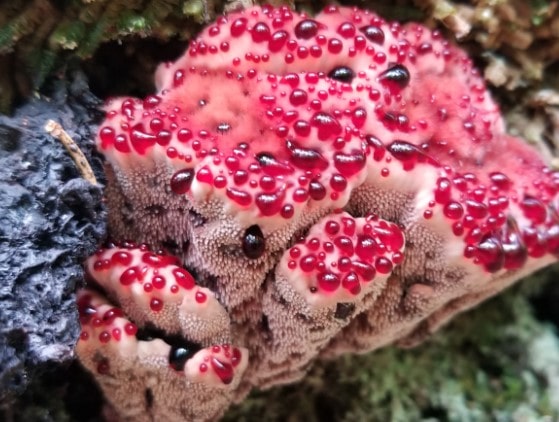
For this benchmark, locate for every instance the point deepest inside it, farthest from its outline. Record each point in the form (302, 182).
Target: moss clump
(495, 363)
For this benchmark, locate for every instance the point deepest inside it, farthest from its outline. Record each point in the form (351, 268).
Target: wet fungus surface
(347, 180)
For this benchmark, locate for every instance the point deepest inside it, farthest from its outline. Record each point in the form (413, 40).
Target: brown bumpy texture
(332, 184)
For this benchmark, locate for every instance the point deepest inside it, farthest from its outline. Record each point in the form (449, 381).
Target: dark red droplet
(156, 304)
(260, 32)
(269, 203)
(317, 191)
(490, 253)
(181, 181)
(306, 29)
(327, 125)
(306, 158)
(180, 353)
(373, 33)
(272, 166)
(254, 243)
(278, 40)
(223, 370)
(396, 76)
(238, 27)
(342, 74)
(349, 164)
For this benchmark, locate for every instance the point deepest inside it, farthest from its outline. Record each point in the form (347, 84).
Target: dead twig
(56, 130)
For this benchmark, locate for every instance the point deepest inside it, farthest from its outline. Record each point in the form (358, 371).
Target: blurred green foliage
(496, 363)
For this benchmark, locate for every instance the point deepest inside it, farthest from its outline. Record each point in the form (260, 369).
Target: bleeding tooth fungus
(332, 185)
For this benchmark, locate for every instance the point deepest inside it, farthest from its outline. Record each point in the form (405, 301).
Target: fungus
(337, 184)
(180, 336)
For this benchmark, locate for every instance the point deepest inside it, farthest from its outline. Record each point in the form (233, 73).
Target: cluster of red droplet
(311, 139)
(347, 253)
(294, 109)
(224, 370)
(89, 316)
(92, 320)
(480, 214)
(145, 272)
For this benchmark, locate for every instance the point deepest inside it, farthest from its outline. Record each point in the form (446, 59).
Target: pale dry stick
(56, 130)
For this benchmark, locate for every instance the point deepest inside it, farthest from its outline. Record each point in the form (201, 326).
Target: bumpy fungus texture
(335, 184)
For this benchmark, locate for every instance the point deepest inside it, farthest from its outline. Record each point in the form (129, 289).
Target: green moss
(483, 366)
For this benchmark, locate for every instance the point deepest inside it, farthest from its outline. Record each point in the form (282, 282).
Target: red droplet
(317, 191)
(223, 370)
(346, 30)
(443, 190)
(260, 32)
(349, 164)
(277, 41)
(116, 334)
(476, 209)
(240, 197)
(298, 97)
(183, 278)
(338, 182)
(156, 304)
(122, 258)
(200, 297)
(107, 136)
(181, 181)
(534, 209)
(130, 329)
(366, 271)
(104, 337)
(345, 244)
(308, 263)
(332, 227)
(306, 158)
(306, 29)
(366, 248)
(328, 281)
(500, 180)
(383, 265)
(130, 276)
(238, 27)
(327, 125)
(490, 253)
(269, 203)
(351, 283)
(110, 315)
(373, 33)
(453, 210)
